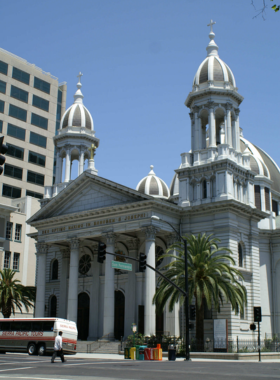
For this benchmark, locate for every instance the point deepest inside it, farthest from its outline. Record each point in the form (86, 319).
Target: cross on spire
(92, 151)
(211, 25)
(79, 76)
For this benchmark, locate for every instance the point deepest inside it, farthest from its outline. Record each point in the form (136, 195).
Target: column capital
(210, 105)
(171, 239)
(133, 244)
(74, 243)
(237, 111)
(196, 109)
(110, 237)
(191, 115)
(150, 232)
(228, 106)
(65, 253)
(41, 249)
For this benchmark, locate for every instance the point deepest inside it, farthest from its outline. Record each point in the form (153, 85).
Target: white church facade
(225, 186)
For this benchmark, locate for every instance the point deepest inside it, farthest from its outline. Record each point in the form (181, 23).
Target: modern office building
(31, 104)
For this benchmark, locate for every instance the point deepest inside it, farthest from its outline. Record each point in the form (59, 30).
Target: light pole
(154, 217)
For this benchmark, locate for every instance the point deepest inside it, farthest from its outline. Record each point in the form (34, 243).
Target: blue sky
(139, 59)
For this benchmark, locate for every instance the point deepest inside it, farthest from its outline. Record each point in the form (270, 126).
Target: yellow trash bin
(133, 353)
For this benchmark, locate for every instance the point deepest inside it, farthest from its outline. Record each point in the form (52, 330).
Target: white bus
(36, 335)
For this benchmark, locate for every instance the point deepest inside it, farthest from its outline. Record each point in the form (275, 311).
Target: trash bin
(133, 353)
(171, 352)
(137, 352)
(127, 353)
(141, 352)
(148, 354)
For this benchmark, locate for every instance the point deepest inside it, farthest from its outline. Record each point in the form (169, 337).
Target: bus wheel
(41, 350)
(31, 349)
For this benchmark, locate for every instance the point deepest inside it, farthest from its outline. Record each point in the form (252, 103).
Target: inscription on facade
(95, 223)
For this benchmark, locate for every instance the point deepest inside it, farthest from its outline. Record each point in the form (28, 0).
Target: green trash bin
(137, 352)
(127, 353)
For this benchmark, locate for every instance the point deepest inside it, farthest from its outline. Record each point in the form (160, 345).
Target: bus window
(37, 326)
(5, 326)
(26, 326)
(16, 326)
(48, 326)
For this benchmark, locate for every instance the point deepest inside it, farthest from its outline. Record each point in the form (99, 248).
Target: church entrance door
(119, 314)
(83, 316)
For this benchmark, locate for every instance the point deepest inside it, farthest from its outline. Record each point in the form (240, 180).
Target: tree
(13, 294)
(263, 8)
(212, 279)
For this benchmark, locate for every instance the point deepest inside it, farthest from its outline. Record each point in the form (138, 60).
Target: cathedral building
(225, 186)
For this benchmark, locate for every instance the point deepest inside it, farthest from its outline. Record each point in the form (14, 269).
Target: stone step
(101, 347)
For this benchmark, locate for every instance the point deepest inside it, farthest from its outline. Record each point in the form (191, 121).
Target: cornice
(212, 91)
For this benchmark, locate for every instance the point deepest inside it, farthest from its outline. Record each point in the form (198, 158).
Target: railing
(93, 346)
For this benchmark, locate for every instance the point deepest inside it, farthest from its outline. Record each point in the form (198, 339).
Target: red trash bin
(148, 354)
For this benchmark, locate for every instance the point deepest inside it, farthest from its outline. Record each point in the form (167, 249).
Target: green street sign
(120, 265)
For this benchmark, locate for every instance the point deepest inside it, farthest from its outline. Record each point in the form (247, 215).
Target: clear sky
(139, 58)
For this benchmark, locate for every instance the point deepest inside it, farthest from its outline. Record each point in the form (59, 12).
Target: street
(14, 366)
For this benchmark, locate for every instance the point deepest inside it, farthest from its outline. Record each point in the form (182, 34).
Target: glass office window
(9, 231)
(36, 178)
(3, 67)
(38, 140)
(42, 85)
(17, 112)
(7, 259)
(17, 132)
(16, 262)
(11, 192)
(40, 103)
(33, 194)
(3, 87)
(19, 94)
(36, 158)
(12, 171)
(2, 105)
(1, 126)
(39, 121)
(15, 151)
(20, 75)
(18, 232)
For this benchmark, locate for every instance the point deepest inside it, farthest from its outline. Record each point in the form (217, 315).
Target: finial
(92, 151)
(212, 48)
(151, 172)
(78, 95)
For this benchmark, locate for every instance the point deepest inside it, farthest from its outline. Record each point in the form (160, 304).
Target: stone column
(192, 131)
(109, 288)
(208, 188)
(196, 126)
(57, 171)
(229, 132)
(81, 161)
(65, 255)
(94, 299)
(212, 125)
(73, 281)
(150, 283)
(262, 198)
(237, 130)
(67, 165)
(41, 253)
(130, 291)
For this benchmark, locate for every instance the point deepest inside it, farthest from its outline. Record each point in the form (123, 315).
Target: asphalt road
(13, 366)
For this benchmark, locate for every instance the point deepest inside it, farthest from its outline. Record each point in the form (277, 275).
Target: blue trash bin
(141, 352)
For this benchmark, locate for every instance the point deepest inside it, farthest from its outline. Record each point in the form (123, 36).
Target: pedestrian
(58, 348)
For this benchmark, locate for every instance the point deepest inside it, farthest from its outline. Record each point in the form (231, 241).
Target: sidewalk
(121, 357)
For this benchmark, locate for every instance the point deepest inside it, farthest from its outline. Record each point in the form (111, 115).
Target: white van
(37, 335)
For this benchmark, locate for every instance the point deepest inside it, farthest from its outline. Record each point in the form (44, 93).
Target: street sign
(120, 265)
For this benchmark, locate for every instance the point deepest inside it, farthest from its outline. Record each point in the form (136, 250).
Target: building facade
(31, 104)
(224, 186)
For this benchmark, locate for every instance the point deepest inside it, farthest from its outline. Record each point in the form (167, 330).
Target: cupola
(153, 185)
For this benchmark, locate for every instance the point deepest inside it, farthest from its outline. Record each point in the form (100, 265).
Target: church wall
(275, 248)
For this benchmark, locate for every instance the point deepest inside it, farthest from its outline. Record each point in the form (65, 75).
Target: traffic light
(142, 262)
(192, 312)
(253, 327)
(257, 314)
(3, 149)
(101, 252)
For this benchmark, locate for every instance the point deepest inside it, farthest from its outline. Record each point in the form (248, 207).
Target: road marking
(37, 361)
(14, 369)
(95, 363)
(30, 378)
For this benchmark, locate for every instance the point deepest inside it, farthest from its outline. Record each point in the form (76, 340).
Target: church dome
(174, 186)
(213, 69)
(154, 186)
(261, 163)
(77, 115)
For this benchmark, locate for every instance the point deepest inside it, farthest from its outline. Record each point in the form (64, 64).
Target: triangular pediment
(88, 192)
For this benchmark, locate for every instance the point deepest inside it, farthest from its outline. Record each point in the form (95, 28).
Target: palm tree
(211, 278)
(13, 294)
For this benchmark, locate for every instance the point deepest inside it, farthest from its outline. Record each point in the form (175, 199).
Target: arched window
(53, 305)
(54, 270)
(240, 255)
(159, 252)
(204, 189)
(84, 264)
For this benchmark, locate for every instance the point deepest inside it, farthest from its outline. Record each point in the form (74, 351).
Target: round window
(84, 264)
